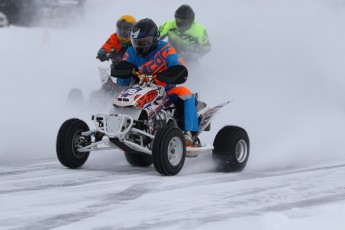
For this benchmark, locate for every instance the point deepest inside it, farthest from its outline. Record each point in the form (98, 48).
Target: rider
(116, 45)
(151, 56)
(188, 37)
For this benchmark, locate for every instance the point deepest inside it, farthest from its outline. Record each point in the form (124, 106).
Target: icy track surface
(281, 63)
(44, 195)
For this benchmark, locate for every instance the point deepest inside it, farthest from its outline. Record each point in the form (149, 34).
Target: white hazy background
(280, 62)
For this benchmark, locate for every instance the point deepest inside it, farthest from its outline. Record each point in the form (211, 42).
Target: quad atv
(143, 122)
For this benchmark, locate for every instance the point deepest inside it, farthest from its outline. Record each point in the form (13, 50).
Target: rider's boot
(188, 138)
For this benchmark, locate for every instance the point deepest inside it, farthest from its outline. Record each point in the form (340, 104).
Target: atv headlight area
(113, 125)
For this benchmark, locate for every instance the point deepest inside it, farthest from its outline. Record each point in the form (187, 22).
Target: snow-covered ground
(43, 195)
(281, 64)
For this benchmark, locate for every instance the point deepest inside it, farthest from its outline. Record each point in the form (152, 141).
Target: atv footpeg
(194, 151)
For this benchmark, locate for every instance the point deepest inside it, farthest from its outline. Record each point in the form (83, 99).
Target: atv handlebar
(107, 54)
(145, 79)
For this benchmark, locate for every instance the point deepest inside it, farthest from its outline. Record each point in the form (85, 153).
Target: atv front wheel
(169, 151)
(231, 149)
(69, 139)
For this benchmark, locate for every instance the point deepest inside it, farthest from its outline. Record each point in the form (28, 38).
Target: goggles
(142, 42)
(123, 28)
(183, 21)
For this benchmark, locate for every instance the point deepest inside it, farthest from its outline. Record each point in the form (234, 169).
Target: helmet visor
(123, 28)
(142, 42)
(184, 22)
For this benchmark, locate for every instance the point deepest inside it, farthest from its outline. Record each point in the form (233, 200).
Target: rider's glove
(176, 74)
(102, 55)
(115, 57)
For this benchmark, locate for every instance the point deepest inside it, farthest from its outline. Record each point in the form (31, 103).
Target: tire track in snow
(247, 176)
(269, 193)
(49, 170)
(107, 203)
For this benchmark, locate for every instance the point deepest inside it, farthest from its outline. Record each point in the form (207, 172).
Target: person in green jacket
(188, 37)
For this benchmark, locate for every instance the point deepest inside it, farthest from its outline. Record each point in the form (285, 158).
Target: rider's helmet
(184, 17)
(123, 26)
(144, 36)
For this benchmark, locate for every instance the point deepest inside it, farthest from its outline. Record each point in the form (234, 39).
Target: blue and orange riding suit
(164, 62)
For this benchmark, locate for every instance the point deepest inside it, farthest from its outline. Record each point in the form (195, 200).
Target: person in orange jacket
(116, 45)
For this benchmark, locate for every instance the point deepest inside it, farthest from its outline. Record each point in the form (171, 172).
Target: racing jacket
(170, 70)
(163, 61)
(193, 40)
(113, 44)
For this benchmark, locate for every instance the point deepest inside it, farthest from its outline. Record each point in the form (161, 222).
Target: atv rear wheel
(138, 159)
(231, 149)
(75, 97)
(169, 151)
(69, 139)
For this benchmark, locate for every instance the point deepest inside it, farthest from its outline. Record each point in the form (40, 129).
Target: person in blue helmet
(148, 54)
